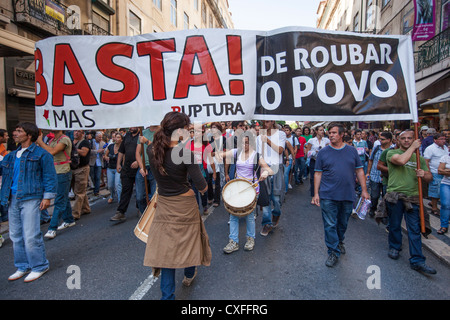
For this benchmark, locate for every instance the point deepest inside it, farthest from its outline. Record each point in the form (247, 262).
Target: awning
(442, 98)
(422, 84)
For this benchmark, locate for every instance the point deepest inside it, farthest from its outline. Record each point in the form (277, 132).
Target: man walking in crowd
(128, 168)
(334, 189)
(300, 161)
(270, 144)
(96, 160)
(29, 183)
(433, 155)
(80, 175)
(60, 147)
(362, 148)
(375, 177)
(403, 199)
(289, 153)
(144, 174)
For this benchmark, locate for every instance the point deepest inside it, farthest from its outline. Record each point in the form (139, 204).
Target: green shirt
(149, 135)
(383, 159)
(403, 178)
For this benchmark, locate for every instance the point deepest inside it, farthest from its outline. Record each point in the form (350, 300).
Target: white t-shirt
(316, 146)
(434, 153)
(293, 140)
(446, 160)
(271, 156)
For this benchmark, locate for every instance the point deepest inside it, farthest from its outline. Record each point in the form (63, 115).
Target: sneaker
(188, 281)
(250, 244)
(17, 275)
(65, 225)
(119, 216)
(1, 241)
(267, 228)
(34, 275)
(231, 247)
(332, 260)
(51, 234)
(393, 253)
(423, 268)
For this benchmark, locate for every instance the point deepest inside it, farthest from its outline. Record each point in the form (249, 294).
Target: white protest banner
(102, 82)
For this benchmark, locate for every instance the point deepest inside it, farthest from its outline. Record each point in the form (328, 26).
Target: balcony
(433, 51)
(49, 20)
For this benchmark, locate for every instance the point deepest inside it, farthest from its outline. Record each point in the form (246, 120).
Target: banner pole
(422, 215)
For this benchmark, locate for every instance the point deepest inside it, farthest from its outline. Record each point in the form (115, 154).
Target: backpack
(74, 157)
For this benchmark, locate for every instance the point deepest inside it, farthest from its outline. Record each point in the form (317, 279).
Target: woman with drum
(177, 237)
(250, 167)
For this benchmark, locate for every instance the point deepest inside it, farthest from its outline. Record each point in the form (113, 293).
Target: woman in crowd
(177, 237)
(111, 155)
(216, 170)
(251, 167)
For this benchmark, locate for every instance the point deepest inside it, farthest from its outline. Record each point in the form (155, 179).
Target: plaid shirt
(375, 175)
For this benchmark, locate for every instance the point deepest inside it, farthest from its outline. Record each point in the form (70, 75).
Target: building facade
(23, 22)
(432, 57)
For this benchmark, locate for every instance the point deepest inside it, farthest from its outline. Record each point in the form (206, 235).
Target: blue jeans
(25, 233)
(267, 210)
(234, 226)
(96, 174)
(287, 171)
(335, 215)
(412, 219)
(62, 208)
(445, 205)
(114, 184)
(140, 188)
(299, 169)
(168, 281)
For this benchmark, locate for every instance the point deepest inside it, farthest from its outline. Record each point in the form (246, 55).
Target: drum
(239, 197)
(143, 227)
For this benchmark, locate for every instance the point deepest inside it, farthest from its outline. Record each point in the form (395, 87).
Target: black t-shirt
(128, 148)
(112, 163)
(84, 161)
(176, 181)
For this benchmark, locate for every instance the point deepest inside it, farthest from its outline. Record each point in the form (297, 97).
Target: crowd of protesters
(342, 165)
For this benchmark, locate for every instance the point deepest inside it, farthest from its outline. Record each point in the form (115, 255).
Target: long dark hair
(162, 138)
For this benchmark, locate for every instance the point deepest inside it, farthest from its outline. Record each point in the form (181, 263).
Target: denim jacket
(37, 177)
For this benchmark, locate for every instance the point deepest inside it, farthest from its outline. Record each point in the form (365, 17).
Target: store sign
(214, 74)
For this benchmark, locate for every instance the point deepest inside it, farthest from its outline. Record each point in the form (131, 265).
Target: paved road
(102, 260)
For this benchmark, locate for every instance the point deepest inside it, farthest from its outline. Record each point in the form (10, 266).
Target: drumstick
(250, 186)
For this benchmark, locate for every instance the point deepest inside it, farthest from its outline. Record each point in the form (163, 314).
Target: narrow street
(101, 260)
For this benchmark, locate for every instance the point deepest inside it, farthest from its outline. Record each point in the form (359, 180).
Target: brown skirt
(177, 236)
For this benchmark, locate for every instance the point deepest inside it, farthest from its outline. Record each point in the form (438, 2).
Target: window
(134, 24)
(100, 21)
(384, 3)
(173, 12)
(369, 14)
(196, 5)
(186, 21)
(356, 22)
(157, 4)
